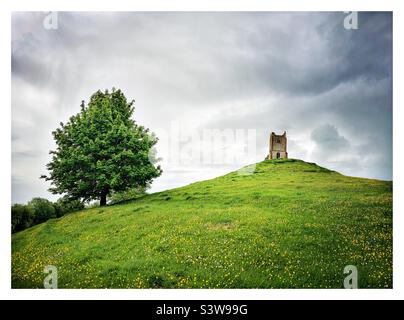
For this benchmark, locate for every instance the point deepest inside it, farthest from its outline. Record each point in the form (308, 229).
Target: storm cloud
(330, 88)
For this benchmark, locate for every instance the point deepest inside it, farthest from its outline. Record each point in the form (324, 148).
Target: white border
(207, 5)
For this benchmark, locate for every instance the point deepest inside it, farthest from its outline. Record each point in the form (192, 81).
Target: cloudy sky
(304, 73)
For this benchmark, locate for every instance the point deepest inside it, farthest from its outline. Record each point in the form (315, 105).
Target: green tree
(101, 150)
(22, 217)
(43, 210)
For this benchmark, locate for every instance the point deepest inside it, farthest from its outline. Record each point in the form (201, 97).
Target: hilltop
(288, 224)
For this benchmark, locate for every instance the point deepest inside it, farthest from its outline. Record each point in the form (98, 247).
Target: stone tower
(277, 146)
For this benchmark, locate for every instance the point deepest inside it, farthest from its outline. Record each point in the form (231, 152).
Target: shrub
(39, 210)
(43, 209)
(128, 194)
(59, 210)
(65, 205)
(22, 217)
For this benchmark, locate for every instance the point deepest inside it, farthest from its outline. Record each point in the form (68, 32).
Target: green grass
(289, 224)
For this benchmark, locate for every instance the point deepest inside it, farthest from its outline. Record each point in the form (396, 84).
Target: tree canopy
(101, 150)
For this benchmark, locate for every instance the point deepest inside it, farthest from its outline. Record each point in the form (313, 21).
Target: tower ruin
(277, 146)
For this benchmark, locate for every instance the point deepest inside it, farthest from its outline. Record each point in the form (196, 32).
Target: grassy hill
(289, 224)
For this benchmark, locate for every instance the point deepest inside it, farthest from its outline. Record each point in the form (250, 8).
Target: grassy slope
(290, 224)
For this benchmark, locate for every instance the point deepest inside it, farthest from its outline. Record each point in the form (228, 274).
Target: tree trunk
(103, 199)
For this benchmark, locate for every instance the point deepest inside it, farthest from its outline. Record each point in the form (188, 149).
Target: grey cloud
(271, 71)
(26, 154)
(328, 138)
